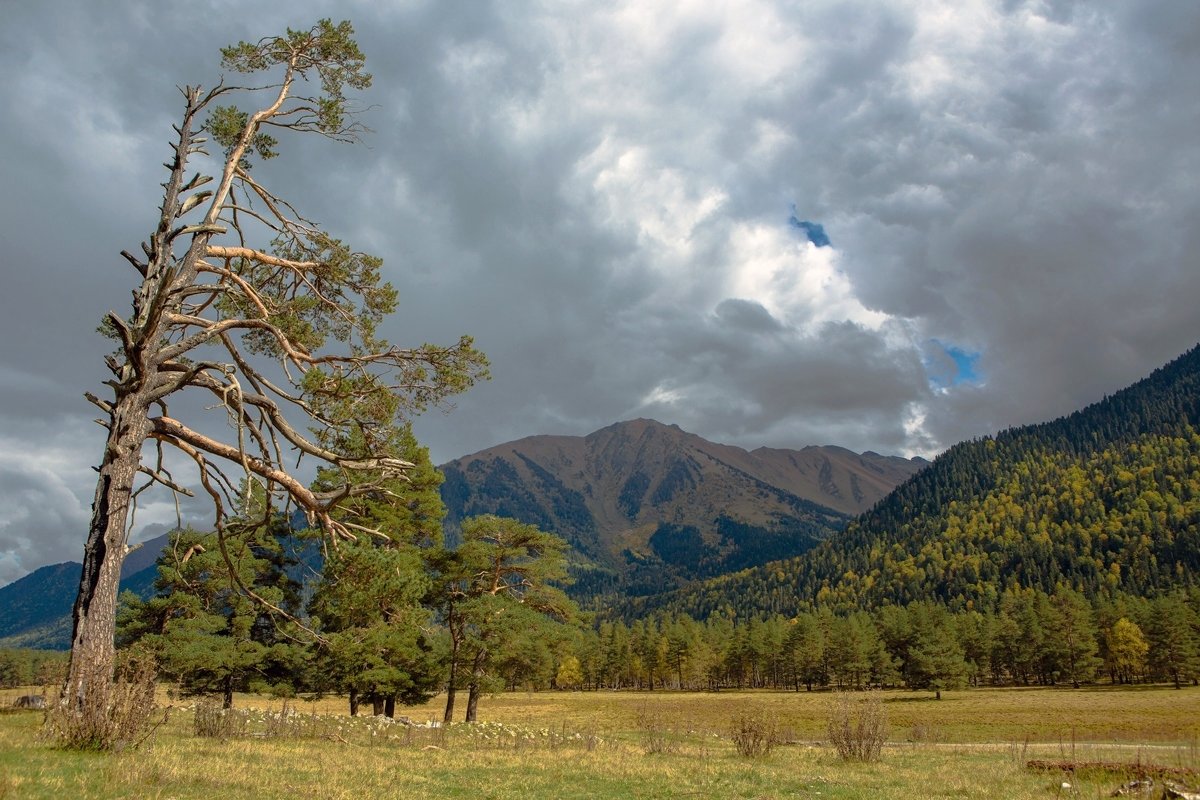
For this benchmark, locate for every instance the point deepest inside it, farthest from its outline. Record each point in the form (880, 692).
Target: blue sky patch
(813, 230)
(949, 365)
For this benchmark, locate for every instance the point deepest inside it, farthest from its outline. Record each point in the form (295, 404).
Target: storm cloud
(609, 197)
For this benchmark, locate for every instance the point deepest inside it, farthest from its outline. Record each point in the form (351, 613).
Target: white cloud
(795, 280)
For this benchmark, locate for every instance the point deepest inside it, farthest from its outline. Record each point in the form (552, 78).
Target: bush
(924, 732)
(858, 727)
(212, 721)
(754, 735)
(656, 734)
(125, 720)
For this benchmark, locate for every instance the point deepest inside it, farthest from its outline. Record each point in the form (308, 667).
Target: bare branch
(267, 406)
(140, 266)
(158, 477)
(103, 405)
(210, 330)
(259, 256)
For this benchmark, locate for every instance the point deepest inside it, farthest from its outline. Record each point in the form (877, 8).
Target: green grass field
(598, 744)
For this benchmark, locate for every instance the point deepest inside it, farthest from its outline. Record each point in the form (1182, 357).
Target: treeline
(1105, 500)
(1032, 638)
(21, 667)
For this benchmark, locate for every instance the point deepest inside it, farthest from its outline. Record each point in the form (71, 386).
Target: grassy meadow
(624, 744)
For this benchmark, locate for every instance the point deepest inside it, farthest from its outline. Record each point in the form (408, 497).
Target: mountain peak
(643, 502)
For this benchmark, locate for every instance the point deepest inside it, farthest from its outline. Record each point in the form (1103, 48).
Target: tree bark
(472, 703)
(228, 703)
(389, 706)
(353, 702)
(473, 689)
(90, 674)
(448, 716)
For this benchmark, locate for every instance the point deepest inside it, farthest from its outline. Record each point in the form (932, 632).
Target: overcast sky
(881, 225)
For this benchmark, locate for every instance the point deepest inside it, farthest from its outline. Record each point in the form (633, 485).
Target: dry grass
(589, 745)
(1048, 716)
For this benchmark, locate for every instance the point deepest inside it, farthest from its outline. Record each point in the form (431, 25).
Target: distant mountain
(35, 611)
(1106, 500)
(645, 506)
(38, 601)
(648, 506)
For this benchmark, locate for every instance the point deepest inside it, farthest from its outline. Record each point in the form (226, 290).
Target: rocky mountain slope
(648, 506)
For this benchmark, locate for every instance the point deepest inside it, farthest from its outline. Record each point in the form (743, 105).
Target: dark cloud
(602, 196)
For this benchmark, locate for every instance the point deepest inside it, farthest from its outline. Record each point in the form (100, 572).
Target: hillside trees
(1127, 650)
(937, 662)
(25, 667)
(245, 302)
(1075, 634)
(805, 651)
(1034, 638)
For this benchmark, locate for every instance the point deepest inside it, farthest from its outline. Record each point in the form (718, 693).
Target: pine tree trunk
(472, 702)
(389, 706)
(473, 689)
(90, 675)
(353, 702)
(448, 716)
(228, 702)
(377, 705)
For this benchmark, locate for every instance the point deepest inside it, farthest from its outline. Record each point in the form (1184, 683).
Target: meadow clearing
(973, 743)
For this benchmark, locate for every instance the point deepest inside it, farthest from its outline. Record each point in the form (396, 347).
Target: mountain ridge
(645, 504)
(35, 609)
(629, 495)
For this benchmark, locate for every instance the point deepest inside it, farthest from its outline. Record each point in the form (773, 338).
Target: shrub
(214, 722)
(753, 734)
(858, 727)
(656, 734)
(924, 732)
(125, 720)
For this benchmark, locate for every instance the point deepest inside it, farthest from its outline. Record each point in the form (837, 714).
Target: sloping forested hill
(1106, 499)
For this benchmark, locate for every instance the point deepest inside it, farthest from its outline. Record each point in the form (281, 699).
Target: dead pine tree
(245, 302)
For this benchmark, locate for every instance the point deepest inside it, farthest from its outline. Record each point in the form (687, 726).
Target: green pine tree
(368, 605)
(202, 626)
